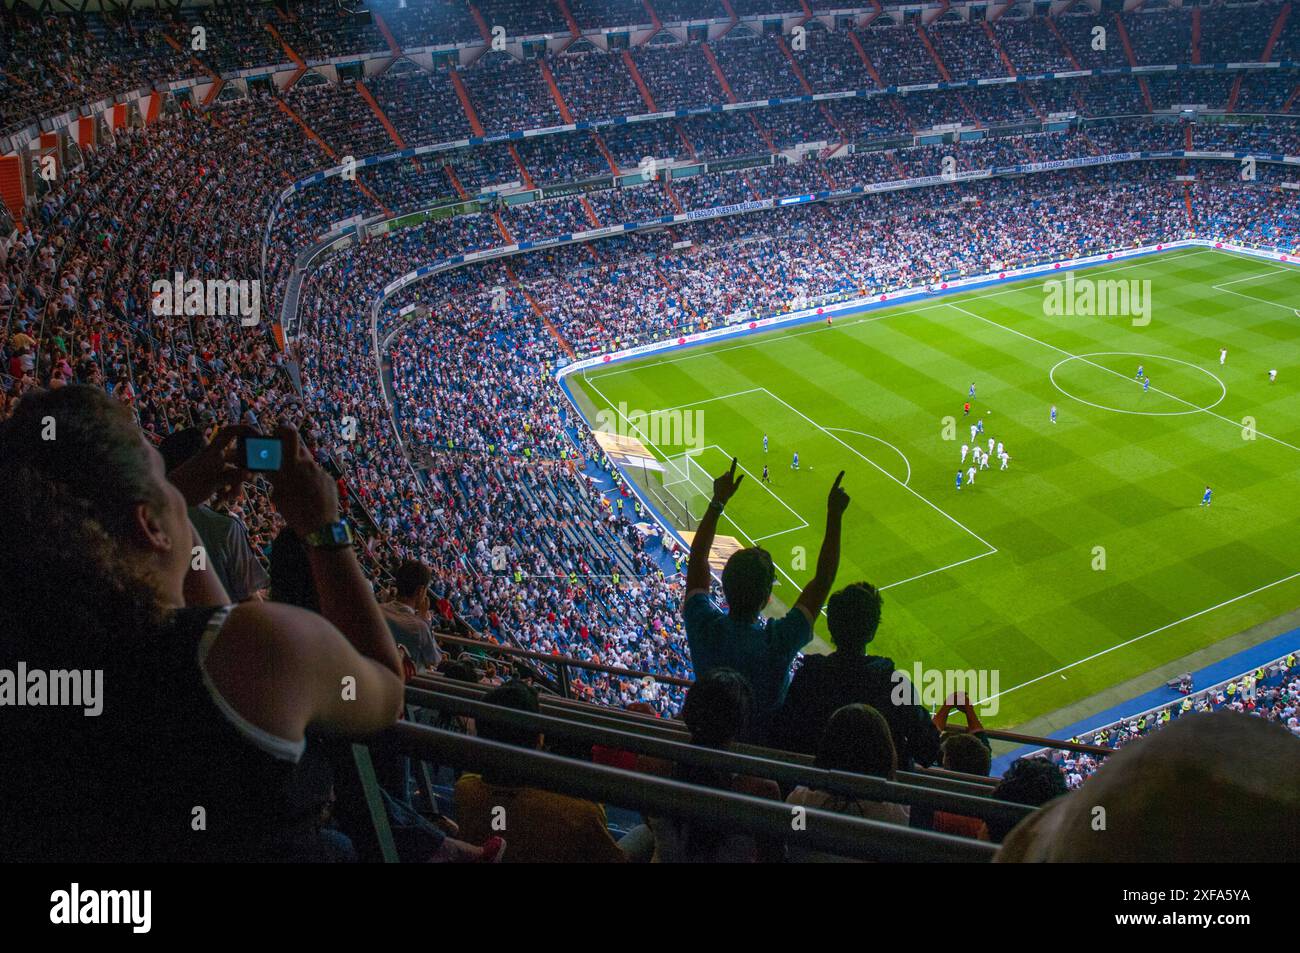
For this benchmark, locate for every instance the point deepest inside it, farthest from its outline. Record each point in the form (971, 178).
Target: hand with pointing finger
(725, 486)
(838, 501)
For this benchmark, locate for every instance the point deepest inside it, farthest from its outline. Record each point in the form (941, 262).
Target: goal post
(687, 483)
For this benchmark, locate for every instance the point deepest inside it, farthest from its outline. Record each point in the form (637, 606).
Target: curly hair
(73, 466)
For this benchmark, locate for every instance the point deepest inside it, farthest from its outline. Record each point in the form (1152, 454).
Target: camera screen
(262, 453)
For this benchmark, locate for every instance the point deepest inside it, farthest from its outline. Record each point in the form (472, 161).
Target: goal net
(687, 484)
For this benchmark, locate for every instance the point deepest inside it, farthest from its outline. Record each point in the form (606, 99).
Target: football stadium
(649, 431)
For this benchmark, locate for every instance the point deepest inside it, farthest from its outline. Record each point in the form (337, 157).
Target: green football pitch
(1089, 560)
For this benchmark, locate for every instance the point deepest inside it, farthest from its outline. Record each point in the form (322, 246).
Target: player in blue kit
(959, 479)
(766, 478)
(765, 443)
(979, 426)
(794, 464)
(1146, 384)
(1205, 500)
(1053, 413)
(1140, 375)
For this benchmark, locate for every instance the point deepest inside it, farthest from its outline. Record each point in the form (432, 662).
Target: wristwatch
(336, 535)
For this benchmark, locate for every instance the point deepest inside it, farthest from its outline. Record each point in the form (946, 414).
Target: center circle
(1155, 359)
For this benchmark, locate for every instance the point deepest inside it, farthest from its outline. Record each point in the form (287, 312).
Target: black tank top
(162, 774)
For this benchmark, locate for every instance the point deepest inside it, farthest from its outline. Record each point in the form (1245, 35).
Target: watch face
(335, 534)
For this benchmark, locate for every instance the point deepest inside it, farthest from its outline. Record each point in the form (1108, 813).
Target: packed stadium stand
(571, 179)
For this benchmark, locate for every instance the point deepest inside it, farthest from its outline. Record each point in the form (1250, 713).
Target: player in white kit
(970, 476)
(964, 450)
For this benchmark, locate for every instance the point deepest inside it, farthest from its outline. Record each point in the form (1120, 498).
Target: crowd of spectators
(1029, 44)
(50, 61)
(478, 470)
(1270, 692)
(76, 293)
(964, 49)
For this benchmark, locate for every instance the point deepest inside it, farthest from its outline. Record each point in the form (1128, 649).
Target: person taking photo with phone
(204, 474)
(191, 750)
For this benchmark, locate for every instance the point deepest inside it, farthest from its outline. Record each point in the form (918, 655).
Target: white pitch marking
(1223, 388)
(1239, 294)
(1061, 350)
(906, 462)
(1237, 281)
(882, 470)
(709, 400)
(1139, 638)
(960, 562)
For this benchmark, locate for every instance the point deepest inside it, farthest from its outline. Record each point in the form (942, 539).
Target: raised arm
(284, 668)
(959, 701)
(697, 569)
(307, 498)
(814, 595)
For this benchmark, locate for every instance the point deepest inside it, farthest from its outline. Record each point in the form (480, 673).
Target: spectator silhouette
(718, 708)
(857, 740)
(826, 683)
(1033, 781)
(762, 650)
(967, 752)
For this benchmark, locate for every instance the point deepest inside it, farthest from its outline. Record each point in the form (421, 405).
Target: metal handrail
(838, 834)
(993, 734)
(674, 730)
(786, 773)
(592, 714)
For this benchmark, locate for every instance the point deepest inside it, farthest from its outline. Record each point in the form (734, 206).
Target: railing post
(375, 803)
